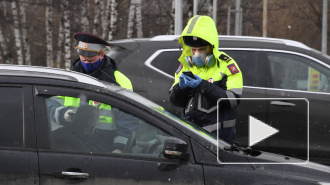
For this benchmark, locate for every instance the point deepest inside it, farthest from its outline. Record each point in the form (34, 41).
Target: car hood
(280, 165)
(312, 171)
(264, 161)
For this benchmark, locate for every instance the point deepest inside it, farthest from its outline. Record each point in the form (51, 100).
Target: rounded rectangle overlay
(269, 131)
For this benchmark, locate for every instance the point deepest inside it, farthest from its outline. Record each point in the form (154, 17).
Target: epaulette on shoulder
(225, 58)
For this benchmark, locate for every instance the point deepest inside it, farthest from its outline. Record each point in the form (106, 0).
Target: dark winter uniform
(222, 80)
(112, 122)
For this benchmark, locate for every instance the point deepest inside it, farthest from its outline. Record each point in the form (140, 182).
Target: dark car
(162, 149)
(283, 70)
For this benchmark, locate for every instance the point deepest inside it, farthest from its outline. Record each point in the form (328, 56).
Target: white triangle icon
(259, 131)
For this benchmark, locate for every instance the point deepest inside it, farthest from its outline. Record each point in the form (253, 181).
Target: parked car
(163, 149)
(272, 68)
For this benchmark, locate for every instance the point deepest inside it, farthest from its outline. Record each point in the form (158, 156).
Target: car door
(19, 157)
(63, 160)
(255, 78)
(301, 76)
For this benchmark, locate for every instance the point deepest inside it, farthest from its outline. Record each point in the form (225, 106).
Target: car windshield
(117, 52)
(134, 96)
(186, 123)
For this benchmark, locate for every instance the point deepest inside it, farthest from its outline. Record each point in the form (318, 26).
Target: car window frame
(47, 91)
(280, 51)
(151, 58)
(29, 128)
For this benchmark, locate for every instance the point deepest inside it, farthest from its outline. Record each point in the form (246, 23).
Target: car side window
(248, 63)
(88, 126)
(167, 61)
(11, 126)
(298, 73)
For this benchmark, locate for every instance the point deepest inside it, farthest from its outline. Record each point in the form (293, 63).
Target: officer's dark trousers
(226, 134)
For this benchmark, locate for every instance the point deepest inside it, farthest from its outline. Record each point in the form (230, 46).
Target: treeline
(39, 32)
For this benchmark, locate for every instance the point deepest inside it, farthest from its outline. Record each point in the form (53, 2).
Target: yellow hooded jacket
(222, 80)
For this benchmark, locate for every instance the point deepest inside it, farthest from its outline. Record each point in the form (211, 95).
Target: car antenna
(114, 80)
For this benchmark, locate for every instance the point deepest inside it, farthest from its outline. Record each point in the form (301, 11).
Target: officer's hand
(117, 151)
(182, 81)
(69, 115)
(193, 83)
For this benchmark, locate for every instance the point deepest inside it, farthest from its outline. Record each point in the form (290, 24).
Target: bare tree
(2, 45)
(113, 19)
(97, 14)
(209, 7)
(17, 33)
(67, 34)
(138, 19)
(84, 15)
(6, 57)
(60, 43)
(25, 36)
(49, 38)
(106, 20)
(171, 27)
(135, 9)
(130, 19)
(103, 17)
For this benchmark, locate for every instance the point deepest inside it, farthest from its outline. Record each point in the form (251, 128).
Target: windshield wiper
(246, 150)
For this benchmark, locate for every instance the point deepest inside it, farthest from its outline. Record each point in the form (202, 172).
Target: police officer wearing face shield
(216, 75)
(94, 62)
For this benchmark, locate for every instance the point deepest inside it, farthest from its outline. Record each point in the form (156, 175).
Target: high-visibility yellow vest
(106, 115)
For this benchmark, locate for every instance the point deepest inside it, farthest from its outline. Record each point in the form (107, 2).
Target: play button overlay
(259, 131)
(268, 131)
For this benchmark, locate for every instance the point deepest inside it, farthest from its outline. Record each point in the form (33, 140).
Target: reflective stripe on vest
(71, 101)
(214, 127)
(192, 24)
(106, 120)
(105, 111)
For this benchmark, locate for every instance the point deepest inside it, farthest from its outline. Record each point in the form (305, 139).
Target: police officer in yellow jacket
(216, 75)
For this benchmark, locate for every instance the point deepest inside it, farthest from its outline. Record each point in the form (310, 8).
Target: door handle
(75, 175)
(282, 104)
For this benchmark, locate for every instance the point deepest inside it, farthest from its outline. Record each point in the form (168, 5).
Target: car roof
(47, 75)
(46, 72)
(240, 38)
(227, 42)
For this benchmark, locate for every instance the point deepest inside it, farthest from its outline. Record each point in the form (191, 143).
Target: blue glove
(193, 83)
(182, 82)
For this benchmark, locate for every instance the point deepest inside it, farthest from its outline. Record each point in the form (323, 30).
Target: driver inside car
(113, 130)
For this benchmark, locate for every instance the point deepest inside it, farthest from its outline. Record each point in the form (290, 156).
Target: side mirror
(175, 148)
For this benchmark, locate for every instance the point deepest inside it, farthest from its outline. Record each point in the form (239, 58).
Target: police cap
(195, 41)
(89, 45)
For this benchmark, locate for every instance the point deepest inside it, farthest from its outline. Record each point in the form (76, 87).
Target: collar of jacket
(108, 66)
(106, 62)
